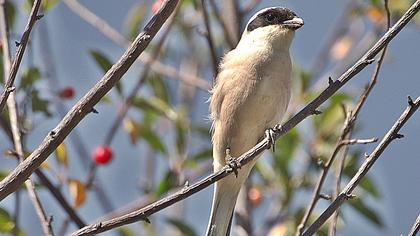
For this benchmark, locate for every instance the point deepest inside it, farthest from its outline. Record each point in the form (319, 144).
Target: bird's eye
(270, 17)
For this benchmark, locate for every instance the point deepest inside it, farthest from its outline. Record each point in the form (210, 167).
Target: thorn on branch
(321, 163)
(330, 81)
(17, 44)
(38, 17)
(398, 136)
(368, 61)
(93, 110)
(52, 133)
(366, 155)
(186, 184)
(145, 219)
(316, 112)
(410, 101)
(349, 195)
(12, 153)
(11, 89)
(325, 196)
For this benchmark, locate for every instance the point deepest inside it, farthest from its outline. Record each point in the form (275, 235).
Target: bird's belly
(264, 109)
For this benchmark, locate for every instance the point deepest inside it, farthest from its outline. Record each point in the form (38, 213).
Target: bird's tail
(224, 199)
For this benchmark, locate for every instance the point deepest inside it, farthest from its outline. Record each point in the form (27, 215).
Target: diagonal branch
(8, 86)
(416, 227)
(85, 105)
(14, 123)
(111, 33)
(391, 135)
(187, 191)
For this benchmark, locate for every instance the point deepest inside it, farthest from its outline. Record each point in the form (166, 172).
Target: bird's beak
(294, 23)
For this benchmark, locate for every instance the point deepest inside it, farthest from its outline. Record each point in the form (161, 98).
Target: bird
(250, 95)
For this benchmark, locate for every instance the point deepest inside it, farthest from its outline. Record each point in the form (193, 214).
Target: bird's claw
(233, 164)
(269, 133)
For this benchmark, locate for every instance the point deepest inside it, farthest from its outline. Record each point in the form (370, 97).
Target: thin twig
(209, 38)
(250, 155)
(416, 227)
(85, 104)
(75, 139)
(365, 167)
(351, 123)
(13, 114)
(141, 80)
(324, 171)
(230, 41)
(111, 33)
(8, 86)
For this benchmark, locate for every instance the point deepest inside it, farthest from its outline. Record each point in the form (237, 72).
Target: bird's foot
(269, 133)
(233, 164)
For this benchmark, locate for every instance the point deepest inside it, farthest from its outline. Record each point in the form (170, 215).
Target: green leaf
(332, 117)
(151, 138)
(134, 19)
(367, 212)
(167, 182)
(29, 77)
(101, 60)
(6, 222)
(157, 105)
(285, 148)
(125, 231)
(185, 229)
(10, 14)
(49, 4)
(105, 64)
(39, 104)
(159, 88)
(367, 185)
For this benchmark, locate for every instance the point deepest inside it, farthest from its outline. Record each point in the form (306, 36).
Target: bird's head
(273, 25)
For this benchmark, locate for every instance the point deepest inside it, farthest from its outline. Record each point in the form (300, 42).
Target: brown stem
(365, 167)
(85, 105)
(187, 191)
(8, 86)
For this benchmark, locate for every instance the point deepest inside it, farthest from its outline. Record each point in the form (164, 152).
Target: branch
(84, 105)
(209, 38)
(187, 191)
(13, 114)
(116, 37)
(367, 164)
(60, 198)
(8, 86)
(416, 227)
(352, 120)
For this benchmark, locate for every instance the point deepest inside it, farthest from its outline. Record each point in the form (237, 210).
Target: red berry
(156, 6)
(67, 92)
(102, 155)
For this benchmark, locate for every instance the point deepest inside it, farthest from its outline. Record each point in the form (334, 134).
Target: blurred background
(155, 121)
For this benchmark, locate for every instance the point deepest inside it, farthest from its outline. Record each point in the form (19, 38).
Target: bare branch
(352, 120)
(85, 104)
(13, 113)
(119, 39)
(187, 191)
(416, 227)
(367, 164)
(209, 38)
(19, 52)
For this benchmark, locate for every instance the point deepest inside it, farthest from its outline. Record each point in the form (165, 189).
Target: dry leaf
(77, 192)
(61, 155)
(131, 127)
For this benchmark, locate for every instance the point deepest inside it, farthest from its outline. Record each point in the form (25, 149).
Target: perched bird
(250, 95)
